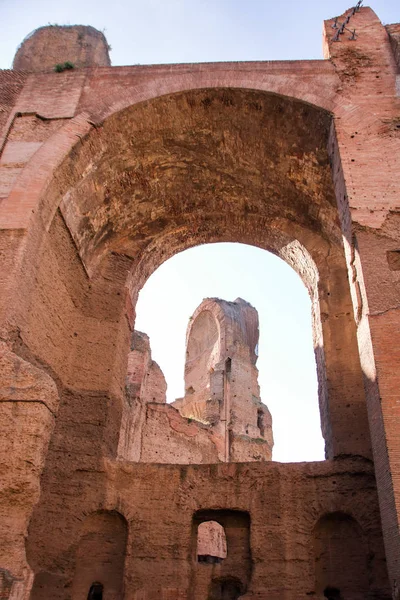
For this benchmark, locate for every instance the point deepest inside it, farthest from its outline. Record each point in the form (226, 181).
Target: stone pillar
(366, 172)
(28, 404)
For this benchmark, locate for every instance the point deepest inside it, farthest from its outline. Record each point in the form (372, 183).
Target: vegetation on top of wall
(60, 67)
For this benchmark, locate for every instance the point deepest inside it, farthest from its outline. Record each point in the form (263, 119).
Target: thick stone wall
(271, 513)
(394, 36)
(366, 167)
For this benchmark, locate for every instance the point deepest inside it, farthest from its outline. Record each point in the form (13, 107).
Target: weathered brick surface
(11, 83)
(221, 385)
(163, 504)
(28, 407)
(105, 173)
(368, 132)
(394, 37)
(153, 431)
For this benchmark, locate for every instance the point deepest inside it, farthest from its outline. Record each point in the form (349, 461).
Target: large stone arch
(204, 166)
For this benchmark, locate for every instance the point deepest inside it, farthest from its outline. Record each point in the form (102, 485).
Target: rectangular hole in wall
(221, 551)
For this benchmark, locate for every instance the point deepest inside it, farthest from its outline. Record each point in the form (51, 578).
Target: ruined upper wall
(80, 45)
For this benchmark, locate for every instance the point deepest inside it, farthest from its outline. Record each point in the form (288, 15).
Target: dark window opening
(260, 422)
(230, 579)
(210, 560)
(228, 588)
(332, 593)
(95, 592)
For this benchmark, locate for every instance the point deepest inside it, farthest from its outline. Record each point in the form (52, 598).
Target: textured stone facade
(104, 174)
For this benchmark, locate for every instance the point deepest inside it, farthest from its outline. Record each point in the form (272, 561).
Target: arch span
(312, 81)
(220, 165)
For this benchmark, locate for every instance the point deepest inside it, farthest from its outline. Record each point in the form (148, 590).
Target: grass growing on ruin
(66, 66)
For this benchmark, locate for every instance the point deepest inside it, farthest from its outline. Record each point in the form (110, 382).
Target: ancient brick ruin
(221, 417)
(106, 172)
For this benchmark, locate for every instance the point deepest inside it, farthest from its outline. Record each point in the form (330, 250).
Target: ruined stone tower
(106, 172)
(221, 386)
(221, 417)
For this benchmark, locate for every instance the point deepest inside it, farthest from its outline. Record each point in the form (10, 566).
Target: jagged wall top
(80, 45)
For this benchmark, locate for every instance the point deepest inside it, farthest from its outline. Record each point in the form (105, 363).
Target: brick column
(366, 165)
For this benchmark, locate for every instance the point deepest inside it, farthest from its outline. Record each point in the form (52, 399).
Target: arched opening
(211, 543)
(96, 591)
(332, 593)
(341, 554)
(260, 421)
(160, 177)
(100, 557)
(211, 166)
(286, 361)
(228, 588)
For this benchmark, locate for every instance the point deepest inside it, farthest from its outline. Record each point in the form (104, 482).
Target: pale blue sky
(171, 31)
(286, 364)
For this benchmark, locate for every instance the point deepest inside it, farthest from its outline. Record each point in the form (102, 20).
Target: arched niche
(225, 588)
(100, 557)
(96, 591)
(196, 167)
(341, 555)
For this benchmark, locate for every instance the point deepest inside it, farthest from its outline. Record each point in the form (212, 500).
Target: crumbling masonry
(106, 172)
(221, 417)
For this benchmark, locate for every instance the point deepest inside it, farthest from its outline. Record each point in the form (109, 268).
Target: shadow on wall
(100, 557)
(341, 554)
(99, 562)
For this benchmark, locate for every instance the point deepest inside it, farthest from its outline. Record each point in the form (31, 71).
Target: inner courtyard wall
(153, 431)
(163, 504)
